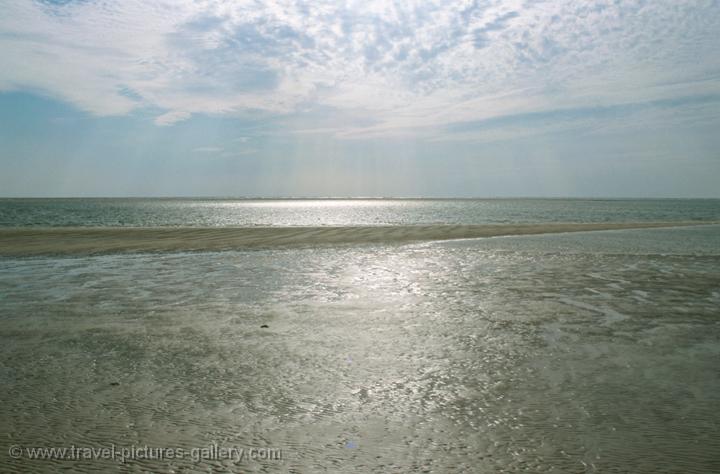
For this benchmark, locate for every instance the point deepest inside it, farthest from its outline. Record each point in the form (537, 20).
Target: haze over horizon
(395, 99)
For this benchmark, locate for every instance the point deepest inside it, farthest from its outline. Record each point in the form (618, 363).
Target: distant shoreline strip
(103, 240)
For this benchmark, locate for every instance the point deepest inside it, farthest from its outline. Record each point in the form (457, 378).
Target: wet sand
(568, 352)
(103, 240)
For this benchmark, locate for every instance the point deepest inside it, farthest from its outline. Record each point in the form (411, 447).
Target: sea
(566, 353)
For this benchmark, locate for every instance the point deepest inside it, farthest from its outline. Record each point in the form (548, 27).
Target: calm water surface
(340, 212)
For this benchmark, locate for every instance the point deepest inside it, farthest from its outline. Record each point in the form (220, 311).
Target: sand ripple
(99, 240)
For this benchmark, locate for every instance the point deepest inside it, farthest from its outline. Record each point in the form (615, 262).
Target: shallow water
(588, 352)
(344, 212)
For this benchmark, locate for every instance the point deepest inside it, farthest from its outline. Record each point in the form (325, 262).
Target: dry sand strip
(103, 240)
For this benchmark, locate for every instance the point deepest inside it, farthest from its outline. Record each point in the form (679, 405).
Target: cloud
(207, 149)
(480, 35)
(172, 117)
(396, 67)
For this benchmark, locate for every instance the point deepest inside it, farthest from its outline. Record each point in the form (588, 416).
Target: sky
(599, 98)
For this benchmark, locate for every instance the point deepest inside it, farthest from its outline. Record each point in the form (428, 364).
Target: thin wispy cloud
(208, 149)
(377, 68)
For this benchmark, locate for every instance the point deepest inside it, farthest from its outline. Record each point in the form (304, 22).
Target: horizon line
(377, 198)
